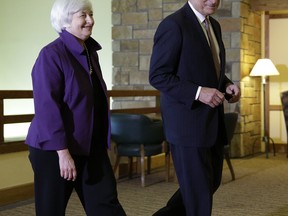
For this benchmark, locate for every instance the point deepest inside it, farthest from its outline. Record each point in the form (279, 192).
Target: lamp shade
(264, 67)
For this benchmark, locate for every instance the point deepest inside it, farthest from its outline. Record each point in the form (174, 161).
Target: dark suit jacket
(181, 62)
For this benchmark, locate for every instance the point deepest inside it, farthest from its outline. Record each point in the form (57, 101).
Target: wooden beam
(269, 5)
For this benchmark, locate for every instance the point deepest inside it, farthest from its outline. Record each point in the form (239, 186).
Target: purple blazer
(63, 96)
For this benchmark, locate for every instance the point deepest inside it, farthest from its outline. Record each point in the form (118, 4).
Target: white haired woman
(70, 133)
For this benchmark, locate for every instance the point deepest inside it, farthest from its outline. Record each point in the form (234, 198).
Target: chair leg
(287, 149)
(148, 164)
(166, 150)
(227, 157)
(167, 165)
(130, 167)
(116, 166)
(142, 159)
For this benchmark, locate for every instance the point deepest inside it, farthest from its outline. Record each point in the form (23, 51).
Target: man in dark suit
(188, 68)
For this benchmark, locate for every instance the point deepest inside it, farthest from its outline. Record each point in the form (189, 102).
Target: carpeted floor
(260, 189)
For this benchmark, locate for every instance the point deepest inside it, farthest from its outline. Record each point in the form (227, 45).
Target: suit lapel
(194, 25)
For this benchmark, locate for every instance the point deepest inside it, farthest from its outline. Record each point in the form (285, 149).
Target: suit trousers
(199, 172)
(95, 184)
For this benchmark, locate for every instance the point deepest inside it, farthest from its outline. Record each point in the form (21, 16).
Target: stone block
(147, 4)
(233, 55)
(146, 46)
(121, 32)
(119, 78)
(116, 19)
(171, 7)
(226, 37)
(135, 18)
(139, 78)
(124, 6)
(249, 29)
(116, 46)
(153, 24)
(230, 24)
(155, 14)
(129, 45)
(244, 41)
(174, 1)
(235, 39)
(125, 59)
(144, 62)
(244, 10)
(236, 9)
(144, 34)
(236, 73)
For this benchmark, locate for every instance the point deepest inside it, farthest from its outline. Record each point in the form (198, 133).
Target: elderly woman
(70, 133)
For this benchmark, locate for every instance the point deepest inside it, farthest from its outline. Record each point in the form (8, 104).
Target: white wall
(25, 29)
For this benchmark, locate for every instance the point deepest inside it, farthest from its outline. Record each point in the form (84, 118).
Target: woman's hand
(67, 166)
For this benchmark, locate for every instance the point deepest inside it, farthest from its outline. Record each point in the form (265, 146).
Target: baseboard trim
(15, 194)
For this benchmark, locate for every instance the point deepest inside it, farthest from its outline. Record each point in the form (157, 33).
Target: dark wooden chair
(284, 101)
(137, 135)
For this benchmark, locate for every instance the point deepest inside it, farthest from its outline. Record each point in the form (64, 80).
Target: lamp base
(267, 140)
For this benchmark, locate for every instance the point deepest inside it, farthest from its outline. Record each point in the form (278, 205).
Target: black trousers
(95, 184)
(199, 172)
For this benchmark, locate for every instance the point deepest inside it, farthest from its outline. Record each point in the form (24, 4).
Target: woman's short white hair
(62, 11)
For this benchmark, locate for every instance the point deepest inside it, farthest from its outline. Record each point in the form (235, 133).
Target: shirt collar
(72, 44)
(200, 16)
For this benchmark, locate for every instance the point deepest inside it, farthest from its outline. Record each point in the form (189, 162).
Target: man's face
(205, 7)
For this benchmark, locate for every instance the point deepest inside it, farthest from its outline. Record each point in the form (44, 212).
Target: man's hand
(67, 166)
(211, 97)
(232, 93)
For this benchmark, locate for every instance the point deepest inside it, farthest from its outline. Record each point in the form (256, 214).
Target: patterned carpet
(260, 189)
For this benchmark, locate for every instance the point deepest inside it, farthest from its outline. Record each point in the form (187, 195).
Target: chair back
(284, 101)
(135, 129)
(230, 123)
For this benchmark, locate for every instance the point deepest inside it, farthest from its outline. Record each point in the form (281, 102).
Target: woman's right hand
(67, 166)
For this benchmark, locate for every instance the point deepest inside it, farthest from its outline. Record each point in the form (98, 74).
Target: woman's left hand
(67, 166)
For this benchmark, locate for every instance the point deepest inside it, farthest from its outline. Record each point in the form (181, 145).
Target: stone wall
(134, 25)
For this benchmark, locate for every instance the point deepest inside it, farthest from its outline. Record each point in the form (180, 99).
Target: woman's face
(81, 25)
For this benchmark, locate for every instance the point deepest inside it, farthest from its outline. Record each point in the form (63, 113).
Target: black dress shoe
(174, 207)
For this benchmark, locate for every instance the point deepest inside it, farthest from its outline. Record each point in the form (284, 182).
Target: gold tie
(212, 47)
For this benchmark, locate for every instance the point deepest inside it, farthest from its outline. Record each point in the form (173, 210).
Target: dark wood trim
(16, 194)
(132, 93)
(266, 34)
(15, 94)
(15, 146)
(275, 108)
(269, 5)
(278, 16)
(10, 119)
(266, 86)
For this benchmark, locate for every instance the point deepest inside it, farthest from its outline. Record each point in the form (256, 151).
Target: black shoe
(174, 206)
